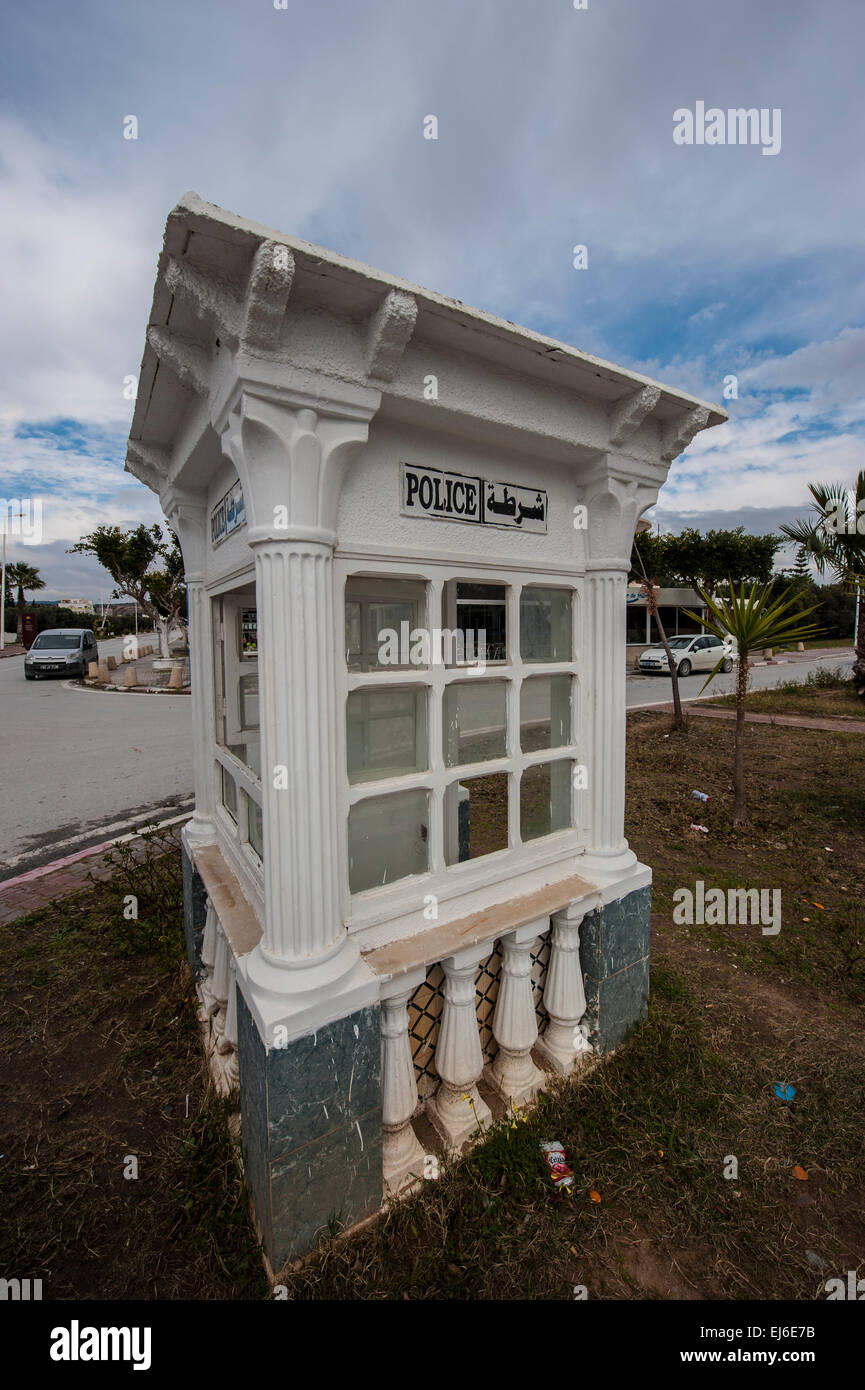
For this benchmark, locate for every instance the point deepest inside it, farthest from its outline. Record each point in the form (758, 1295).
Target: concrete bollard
(103, 675)
(175, 680)
(93, 670)
(111, 662)
(131, 675)
(800, 646)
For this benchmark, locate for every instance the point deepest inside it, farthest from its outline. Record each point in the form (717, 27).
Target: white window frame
(405, 897)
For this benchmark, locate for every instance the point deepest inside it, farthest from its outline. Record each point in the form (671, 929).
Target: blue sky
(555, 128)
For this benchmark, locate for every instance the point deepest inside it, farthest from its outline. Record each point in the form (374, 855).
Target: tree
(648, 587)
(754, 620)
(23, 577)
(834, 537)
(704, 562)
(145, 566)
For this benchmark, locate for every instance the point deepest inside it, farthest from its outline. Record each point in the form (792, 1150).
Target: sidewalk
(39, 887)
(795, 721)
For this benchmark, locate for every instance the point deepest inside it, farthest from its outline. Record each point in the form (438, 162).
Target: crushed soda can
(554, 1157)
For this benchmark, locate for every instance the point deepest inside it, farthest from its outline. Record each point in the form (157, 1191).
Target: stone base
(614, 954)
(194, 909)
(311, 1127)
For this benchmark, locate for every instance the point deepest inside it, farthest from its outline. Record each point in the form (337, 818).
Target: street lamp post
(3, 583)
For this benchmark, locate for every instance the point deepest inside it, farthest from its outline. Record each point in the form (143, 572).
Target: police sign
(429, 492)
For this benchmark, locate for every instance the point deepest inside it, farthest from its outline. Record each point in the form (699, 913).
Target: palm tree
(23, 577)
(754, 620)
(834, 537)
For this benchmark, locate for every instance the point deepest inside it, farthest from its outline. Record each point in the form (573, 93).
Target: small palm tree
(834, 537)
(23, 577)
(754, 620)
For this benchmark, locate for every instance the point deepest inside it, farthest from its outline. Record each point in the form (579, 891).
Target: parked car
(64, 650)
(697, 653)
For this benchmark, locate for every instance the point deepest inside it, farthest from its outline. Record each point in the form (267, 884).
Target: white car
(697, 653)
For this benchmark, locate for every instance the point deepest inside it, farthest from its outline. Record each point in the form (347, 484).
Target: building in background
(642, 631)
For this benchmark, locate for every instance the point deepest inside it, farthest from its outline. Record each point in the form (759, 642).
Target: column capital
(186, 513)
(292, 449)
(615, 492)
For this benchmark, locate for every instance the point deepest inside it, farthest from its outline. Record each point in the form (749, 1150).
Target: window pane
(229, 793)
(476, 817)
(545, 712)
(387, 733)
(387, 839)
(254, 828)
(545, 799)
(668, 617)
(636, 623)
(481, 620)
(545, 625)
(474, 718)
(248, 693)
(380, 617)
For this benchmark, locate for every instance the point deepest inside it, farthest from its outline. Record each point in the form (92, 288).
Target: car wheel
(727, 665)
(684, 668)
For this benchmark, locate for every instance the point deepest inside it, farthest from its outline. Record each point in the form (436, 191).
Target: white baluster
(402, 1152)
(219, 987)
(227, 1044)
(208, 951)
(457, 1109)
(515, 1027)
(564, 996)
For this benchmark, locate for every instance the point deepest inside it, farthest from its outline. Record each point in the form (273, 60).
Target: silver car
(697, 653)
(64, 651)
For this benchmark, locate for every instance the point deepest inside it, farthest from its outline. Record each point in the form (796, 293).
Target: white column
(201, 829)
(457, 1109)
(187, 515)
(515, 1026)
(291, 460)
(297, 695)
(562, 1042)
(402, 1152)
(603, 672)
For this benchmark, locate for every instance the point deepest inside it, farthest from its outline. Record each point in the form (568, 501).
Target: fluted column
(457, 1109)
(564, 996)
(297, 694)
(515, 1026)
(187, 515)
(291, 460)
(604, 617)
(402, 1152)
(201, 828)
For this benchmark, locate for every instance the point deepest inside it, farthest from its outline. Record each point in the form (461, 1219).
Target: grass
(823, 694)
(98, 1024)
(102, 1062)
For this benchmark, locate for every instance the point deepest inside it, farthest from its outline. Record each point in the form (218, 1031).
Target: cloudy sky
(555, 128)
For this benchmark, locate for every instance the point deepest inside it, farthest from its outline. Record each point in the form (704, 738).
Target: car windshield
(57, 641)
(677, 643)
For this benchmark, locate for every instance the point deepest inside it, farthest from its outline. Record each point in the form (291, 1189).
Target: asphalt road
(795, 666)
(81, 766)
